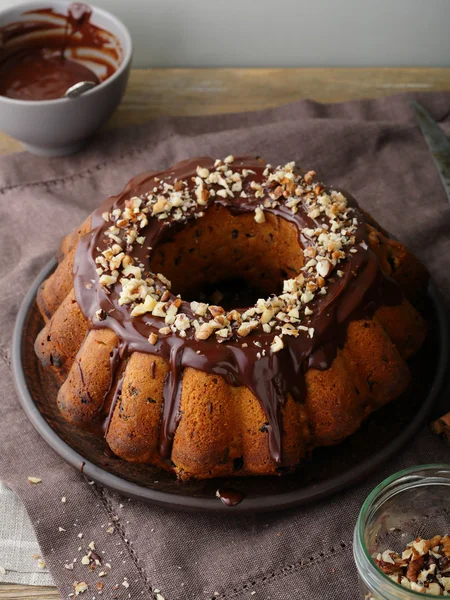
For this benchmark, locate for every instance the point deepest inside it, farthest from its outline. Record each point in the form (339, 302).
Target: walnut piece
(424, 565)
(442, 427)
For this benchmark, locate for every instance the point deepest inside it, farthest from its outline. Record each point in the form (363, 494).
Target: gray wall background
(290, 33)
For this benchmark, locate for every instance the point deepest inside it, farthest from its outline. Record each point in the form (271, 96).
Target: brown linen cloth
(372, 148)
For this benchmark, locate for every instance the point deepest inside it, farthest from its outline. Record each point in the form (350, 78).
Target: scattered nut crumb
(34, 479)
(80, 587)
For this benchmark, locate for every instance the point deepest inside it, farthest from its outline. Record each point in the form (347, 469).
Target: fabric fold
(374, 149)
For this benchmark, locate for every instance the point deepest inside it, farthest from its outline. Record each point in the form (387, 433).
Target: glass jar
(414, 502)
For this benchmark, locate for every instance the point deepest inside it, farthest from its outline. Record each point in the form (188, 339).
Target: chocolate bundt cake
(225, 317)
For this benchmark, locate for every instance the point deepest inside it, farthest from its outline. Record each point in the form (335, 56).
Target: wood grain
(153, 93)
(27, 592)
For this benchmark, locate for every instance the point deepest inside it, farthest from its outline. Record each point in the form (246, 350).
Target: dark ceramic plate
(329, 469)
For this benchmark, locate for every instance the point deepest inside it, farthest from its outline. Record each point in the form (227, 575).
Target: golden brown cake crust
(221, 429)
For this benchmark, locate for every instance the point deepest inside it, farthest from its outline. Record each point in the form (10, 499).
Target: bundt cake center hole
(228, 293)
(229, 259)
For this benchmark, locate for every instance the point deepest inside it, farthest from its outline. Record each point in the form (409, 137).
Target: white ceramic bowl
(62, 126)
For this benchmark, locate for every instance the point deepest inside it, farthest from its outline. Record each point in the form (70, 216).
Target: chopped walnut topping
(204, 331)
(277, 344)
(159, 310)
(153, 338)
(216, 311)
(107, 280)
(161, 205)
(309, 176)
(202, 172)
(182, 322)
(147, 306)
(329, 241)
(246, 328)
(259, 215)
(424, 565)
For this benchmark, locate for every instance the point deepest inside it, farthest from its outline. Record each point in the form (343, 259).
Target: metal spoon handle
(79, 88)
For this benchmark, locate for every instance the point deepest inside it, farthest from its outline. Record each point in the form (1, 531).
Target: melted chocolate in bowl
(44, 53)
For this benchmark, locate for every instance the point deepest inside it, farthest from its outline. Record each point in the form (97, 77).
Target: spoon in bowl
(79, 88)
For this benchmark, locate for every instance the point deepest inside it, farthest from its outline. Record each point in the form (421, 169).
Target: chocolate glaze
(115, 399)
(230, 497)
(36, 67)
(172, 389)
(86, 393)
(272, 377)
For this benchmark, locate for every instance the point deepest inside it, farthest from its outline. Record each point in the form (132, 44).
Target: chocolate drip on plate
(230, 497)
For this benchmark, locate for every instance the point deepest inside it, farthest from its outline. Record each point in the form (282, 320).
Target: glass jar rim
(359, 529)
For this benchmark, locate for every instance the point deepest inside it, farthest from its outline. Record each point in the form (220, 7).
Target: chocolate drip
(270, 376)
(172, 396)
(117, 393)
(230, 497)
(114, 359)
(86, 393)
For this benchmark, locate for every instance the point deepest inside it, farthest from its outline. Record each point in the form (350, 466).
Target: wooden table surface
(154, 93)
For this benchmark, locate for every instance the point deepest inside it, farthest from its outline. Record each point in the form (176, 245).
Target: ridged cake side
(222, 429)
